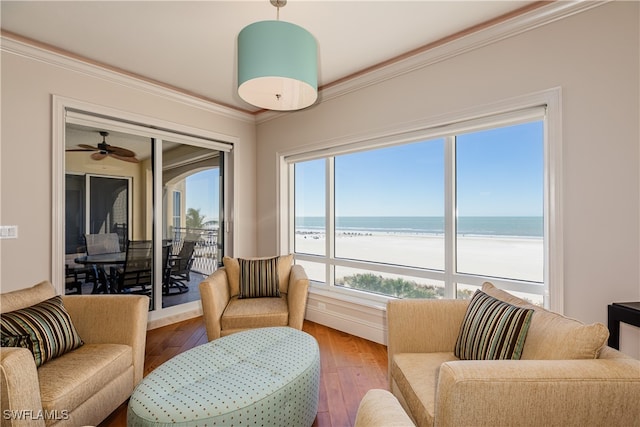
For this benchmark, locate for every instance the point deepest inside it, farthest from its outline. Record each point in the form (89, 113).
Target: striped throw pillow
(45, 329)
(259, 278)
(492, 329)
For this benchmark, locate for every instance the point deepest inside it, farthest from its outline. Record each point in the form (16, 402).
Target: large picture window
(432, 215)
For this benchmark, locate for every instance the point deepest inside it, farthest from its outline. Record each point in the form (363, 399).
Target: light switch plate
(8, 231)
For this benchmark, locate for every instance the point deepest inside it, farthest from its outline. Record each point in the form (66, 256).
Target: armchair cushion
(492, 329)
(414, 382)
(255, 313)
(232, 266)
(552, 336)
(67, 381)
(45, 329)
(259, 278)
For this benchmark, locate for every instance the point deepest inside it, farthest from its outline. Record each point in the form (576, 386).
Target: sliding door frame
(135, 124)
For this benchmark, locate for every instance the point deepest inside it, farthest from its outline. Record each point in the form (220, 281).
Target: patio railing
(205, 259)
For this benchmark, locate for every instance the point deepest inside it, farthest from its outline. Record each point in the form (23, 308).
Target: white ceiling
(191, 45)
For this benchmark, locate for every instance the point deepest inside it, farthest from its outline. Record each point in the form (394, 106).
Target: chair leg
(175, 286)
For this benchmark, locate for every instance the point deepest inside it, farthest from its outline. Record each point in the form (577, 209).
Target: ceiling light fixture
(277, 64)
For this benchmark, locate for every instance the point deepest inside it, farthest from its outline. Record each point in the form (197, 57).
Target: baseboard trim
(175, 318)
(368, 322)
(325, 313)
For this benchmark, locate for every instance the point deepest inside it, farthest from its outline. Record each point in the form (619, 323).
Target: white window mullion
(289, 208)
(449, 216)
(330, 224)
(157, 221)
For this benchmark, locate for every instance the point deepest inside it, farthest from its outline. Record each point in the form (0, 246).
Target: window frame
(176, 208)
(508, 112)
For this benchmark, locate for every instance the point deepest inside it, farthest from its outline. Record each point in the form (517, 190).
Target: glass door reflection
(108, 218)
(114, 194)
(192, 202)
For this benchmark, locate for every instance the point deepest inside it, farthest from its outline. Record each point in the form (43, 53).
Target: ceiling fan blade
(129, 159)
(80, 149)
(88, 147)
(98, 156)
(122, 152)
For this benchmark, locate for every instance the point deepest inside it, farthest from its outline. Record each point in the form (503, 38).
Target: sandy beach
(509, 257)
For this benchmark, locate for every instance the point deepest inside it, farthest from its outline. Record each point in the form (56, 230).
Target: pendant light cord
(278, 4)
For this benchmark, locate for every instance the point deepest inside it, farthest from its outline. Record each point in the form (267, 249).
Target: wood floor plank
(323, 419)
(351, 394)
(349, 367)
(338, 413)
(344, 349)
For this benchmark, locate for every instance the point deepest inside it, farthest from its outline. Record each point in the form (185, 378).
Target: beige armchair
(225, 313)
(83, 386)
(566, 376)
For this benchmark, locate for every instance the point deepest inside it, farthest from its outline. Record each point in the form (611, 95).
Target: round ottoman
(261, 377)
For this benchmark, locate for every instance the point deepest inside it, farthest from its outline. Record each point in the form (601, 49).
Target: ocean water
(516, 226)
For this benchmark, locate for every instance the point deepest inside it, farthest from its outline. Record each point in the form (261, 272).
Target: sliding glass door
(164, 194)
(193, 209)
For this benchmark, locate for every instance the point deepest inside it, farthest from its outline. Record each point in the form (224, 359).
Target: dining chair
(102, 243)
(97, 244)
(179, 269)
(72, 283)
(136, 275)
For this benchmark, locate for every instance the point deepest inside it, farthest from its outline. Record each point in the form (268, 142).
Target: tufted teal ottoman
(261, 377)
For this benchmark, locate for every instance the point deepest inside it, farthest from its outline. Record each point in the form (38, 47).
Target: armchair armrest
(539, 392)
(380, 408)
(19, 387)
(297, 296)
(214, 294)
(114, 319)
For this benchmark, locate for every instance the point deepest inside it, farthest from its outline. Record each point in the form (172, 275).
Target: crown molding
(548, 13)
(23, 48)
(533, 19)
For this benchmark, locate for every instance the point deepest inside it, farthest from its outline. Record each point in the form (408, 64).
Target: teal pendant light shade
(277, 66)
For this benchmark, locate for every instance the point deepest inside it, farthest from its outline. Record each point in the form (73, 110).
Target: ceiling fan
(103, 150)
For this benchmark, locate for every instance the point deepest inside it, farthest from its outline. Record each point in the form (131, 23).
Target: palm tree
(194, 218)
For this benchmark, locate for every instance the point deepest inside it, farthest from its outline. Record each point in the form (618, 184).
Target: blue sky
(203, 193)
(499, 173)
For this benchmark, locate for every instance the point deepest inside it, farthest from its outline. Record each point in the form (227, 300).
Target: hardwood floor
(350, 366)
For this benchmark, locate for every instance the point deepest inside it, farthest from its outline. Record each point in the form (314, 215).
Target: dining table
(98, 262)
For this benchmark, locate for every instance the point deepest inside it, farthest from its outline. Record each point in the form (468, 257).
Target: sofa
(565, 375)
(49, 384)
(265, 292)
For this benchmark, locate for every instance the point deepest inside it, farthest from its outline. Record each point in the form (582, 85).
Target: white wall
(594, 57)
(26, 153)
